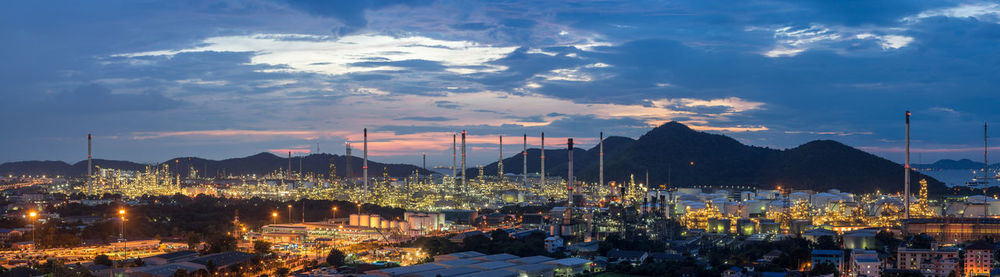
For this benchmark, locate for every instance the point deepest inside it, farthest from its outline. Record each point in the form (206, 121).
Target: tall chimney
(600, 174)
(524, 162)
(289, 173)
(454, 153)
(500, 161)
(463, 161)
(569, 176)
(986, 165)
(364, 166)
(347, 162)
(543, 160)
(906, 178)
(90, 165)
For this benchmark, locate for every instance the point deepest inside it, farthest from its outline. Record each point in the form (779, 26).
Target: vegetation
(335, 258)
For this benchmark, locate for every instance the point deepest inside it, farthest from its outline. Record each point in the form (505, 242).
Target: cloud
(348, 54)
(989, 12)
(425, 118)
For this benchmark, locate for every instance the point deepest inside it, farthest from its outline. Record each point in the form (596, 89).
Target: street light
(289, 213)
(334, 212)
(274, 215)
(32, 215)
(121, 236)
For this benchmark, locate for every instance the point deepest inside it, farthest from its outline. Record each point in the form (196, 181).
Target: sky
(153, 80)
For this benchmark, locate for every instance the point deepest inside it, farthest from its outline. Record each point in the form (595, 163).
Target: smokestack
(600, 175)
(289, 175)
(463, 160)
(986, 165)
(500, 161)
(906, 178)
(425, 160)
(347, 163)
(569, 178)
(524, 161)
(364, 166)
(543, 160)
(454, 153)
(90, 165)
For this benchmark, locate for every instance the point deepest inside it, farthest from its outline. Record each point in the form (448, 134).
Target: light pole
(334, 212)
(274, 216)
(31, 216)
(289, 213)
(121, 213)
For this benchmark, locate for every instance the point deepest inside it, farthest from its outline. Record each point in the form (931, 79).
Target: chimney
(364, 166)
(463, 161)
(289, 173)
(454, 153)
(500, 161)
(524, 161)
(543, 160)
(90, 164)
(347, 162)
(600, 175)
(906, 177)
(569, 176)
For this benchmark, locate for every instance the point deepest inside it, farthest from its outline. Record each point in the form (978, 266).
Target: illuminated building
(934, 261)
(978, 259)
(865, 263)
(955, 230)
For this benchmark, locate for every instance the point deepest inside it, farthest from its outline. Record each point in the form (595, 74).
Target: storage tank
(364, 220)
(385, 224)
(393, 224)
(404, 226)
(353, 220)
(374, 222)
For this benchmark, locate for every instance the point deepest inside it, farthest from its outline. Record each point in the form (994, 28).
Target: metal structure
(906, 178)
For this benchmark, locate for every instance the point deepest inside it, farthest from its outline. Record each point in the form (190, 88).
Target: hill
(675, 154)
(953, 164)
(260, 164)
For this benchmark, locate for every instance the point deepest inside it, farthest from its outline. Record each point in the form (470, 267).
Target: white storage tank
(404, 226)
(353, 220)
(394, 224)
(374, 222)
(364, 220)
(385, 224)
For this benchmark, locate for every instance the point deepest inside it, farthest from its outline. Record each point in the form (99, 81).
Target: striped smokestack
(364, 166)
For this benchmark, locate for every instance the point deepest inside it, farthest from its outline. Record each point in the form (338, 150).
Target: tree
(211, 267)
(222, 244)
(193, 241)
(823, 269)
(283, 271)
(102, 260)
(335, 258)
(181, 273)
(262, 247)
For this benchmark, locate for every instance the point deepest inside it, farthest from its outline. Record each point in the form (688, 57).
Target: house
(833, 257)
(661, 257)
(553, 244)
(7, 234)
(634, 257)
(733, 272)
(771, 256)
(865, 263)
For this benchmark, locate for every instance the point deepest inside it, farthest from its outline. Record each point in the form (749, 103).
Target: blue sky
(154, 80)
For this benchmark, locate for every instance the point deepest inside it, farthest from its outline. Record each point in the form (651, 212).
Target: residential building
(978, 258)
